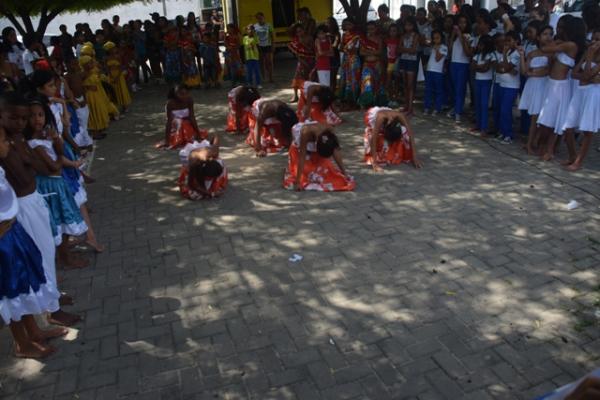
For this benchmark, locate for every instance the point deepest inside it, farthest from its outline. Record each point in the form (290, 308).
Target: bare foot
(65, 300)
(74, 262)
(377, 168)
(566, 163)
(63, 318)
(294, 100)
(74, 242)
(547, 157)
(33, 350)
(48, 334)
(97, 247)
(573, 167)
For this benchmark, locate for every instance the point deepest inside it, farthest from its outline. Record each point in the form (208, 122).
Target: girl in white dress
(536, 67)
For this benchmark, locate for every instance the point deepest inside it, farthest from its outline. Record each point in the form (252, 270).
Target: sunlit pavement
(467, 279)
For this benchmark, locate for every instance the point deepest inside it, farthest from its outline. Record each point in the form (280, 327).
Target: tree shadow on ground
(468, 279)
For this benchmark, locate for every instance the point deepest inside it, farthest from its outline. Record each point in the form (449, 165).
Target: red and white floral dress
(245, 112)
(319, 173)
(397, 152)
(187, 186)
(181, 130)
(327, 116)
(271, 138)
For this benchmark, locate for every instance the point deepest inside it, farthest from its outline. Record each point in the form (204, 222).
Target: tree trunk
(356, 11)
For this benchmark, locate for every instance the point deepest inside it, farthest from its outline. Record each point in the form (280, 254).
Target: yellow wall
(247, 9)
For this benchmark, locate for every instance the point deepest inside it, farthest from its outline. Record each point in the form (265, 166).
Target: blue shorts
(408, 65)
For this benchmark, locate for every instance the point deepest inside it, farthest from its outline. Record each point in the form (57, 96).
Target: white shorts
(324, 77)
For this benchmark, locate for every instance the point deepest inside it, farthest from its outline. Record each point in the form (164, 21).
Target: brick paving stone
(428, 282)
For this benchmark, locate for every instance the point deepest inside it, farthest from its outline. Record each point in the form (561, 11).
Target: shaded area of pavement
(467, 279)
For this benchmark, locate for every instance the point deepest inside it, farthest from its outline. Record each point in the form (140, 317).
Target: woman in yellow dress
(116, 76)
(113, 112)
(99, 118)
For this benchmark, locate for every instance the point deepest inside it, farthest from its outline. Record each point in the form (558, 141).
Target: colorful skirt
(319, 173)
(119, 85)
(23, 287)
(35, 218)
(182, 132)
(387, 153)
(231, 117)
(64, 214)
(372, 91)
(98, 110)
(349, 86)
(327, 116)
(213, 186)
(271, 138)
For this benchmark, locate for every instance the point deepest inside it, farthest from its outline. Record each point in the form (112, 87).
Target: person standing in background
(264, 32)
(250, 43)
(66, 43)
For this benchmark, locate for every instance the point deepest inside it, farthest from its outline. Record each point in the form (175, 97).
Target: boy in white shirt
(509, 67)
(434, 74)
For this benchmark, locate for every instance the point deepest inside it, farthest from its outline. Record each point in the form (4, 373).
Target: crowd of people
(508, 57)
(53, 106)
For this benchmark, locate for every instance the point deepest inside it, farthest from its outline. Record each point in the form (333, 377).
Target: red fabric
(324, 62)
(319, 174)
(182, 132)
(186, 188)
(395, 153)
(392, 49)
(327, 116)
(231, 117)
(271, 138)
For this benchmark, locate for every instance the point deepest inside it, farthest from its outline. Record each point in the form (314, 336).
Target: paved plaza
(468, 279)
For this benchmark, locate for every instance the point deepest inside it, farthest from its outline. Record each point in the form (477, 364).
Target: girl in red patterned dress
(302, 47)
(240, 100)
(371, 87)
(388, 132)
(271, 123)
(320, 106)
(309, 160)
(203, 174)
(181, 127)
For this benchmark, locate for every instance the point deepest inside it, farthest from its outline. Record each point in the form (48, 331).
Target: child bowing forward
(271, 123)
(316, 103)
(389, 133)
(309, 160)
(203, 174)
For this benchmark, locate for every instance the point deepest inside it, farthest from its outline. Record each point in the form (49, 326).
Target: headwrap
(87, 51)
(109, 46)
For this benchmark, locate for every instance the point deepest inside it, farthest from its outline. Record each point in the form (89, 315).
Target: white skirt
(83, 138)
(589, 120)
(556, 105)
(574, 112)
(533, 95)
(34, 216)
(81, 195)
